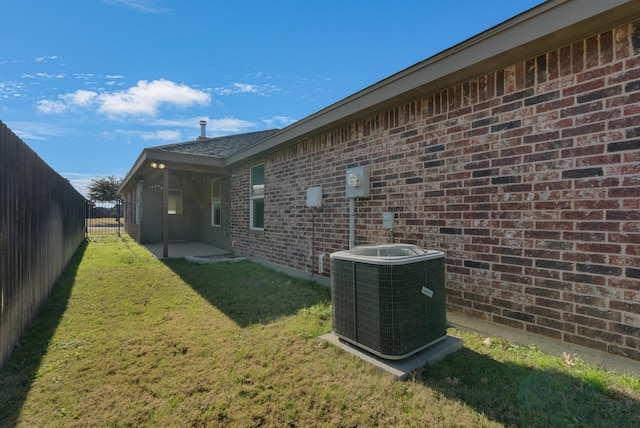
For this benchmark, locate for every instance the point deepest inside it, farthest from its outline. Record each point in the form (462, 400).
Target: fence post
(86, 217)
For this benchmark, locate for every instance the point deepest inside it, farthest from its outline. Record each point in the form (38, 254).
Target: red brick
(544, 331)
(583, 341)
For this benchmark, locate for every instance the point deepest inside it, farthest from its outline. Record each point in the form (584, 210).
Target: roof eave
(128, 179)
(174, 161)
(547, 26)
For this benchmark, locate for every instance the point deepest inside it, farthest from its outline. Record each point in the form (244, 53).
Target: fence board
(42, 225)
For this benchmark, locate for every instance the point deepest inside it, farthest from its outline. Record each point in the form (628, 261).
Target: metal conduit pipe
(352, 222)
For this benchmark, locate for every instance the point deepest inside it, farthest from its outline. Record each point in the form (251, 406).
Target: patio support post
(165, 214)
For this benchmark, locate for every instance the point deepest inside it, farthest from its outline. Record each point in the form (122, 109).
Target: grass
(104, 221)
(128, 340)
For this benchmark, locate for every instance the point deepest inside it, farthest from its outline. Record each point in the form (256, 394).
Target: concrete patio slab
(186, 249)
(401, 368)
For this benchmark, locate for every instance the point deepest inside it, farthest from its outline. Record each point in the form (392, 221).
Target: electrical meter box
(358, 182)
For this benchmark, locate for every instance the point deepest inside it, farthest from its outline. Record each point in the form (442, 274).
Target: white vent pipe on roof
(203, 129)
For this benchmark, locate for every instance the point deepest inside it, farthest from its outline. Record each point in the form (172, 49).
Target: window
(137, 204)
(257, 198)
(216, 202)
(175, 202)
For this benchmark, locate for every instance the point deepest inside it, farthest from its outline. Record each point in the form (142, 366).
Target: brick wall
(528, 178)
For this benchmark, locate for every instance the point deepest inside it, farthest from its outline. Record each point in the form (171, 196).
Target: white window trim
(214, 182)
(253, 197)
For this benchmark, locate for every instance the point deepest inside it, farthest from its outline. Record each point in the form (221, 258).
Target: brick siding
(528, 178)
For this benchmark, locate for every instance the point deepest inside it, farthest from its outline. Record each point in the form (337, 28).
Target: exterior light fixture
(157, 165)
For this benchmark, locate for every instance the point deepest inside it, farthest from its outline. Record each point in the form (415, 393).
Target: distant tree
(104, 189)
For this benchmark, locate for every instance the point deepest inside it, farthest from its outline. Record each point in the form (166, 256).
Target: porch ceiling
(174, 162)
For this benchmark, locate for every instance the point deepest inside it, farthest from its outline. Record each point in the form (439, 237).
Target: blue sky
(88, 84)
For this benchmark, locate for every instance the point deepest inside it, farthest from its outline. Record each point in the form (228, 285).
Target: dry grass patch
(128, 340)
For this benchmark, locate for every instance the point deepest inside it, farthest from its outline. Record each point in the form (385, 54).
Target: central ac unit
(389, 299)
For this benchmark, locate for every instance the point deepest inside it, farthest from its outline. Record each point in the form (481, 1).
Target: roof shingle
(218, 146)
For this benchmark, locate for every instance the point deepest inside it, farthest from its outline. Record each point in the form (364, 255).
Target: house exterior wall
(197, 197)
(151, 219)
(528, 178)
(193, 224)
(130, 226)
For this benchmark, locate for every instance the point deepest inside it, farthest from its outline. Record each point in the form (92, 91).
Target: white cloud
(11, 89)
(279, 121)
(190, 122)
(79, 181)
(144, 6)
(245, 88)
(12, 61)
(51, 107)
(215, 126)
(28, 130)
(171, 135)
(229, 124)
(166, 135)
(46, 58)
(146, 97)
(84, 76)
(43, 76)
(80, 97)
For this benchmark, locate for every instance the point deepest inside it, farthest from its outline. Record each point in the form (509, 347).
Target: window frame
(177, 195)
(256, 197)
(216, 201)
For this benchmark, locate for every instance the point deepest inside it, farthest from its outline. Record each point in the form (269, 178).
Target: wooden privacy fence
(42, 224)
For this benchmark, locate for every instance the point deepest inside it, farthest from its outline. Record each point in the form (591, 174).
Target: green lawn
(128, 340)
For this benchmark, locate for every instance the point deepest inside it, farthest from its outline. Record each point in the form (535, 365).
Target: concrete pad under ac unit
(401, 369)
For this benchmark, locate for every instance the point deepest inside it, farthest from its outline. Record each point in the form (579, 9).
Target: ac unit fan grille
(381, 307)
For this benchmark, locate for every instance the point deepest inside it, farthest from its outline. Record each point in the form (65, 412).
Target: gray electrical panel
(358, 182)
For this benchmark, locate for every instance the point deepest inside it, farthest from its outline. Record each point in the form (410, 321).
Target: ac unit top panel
(387, 254)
